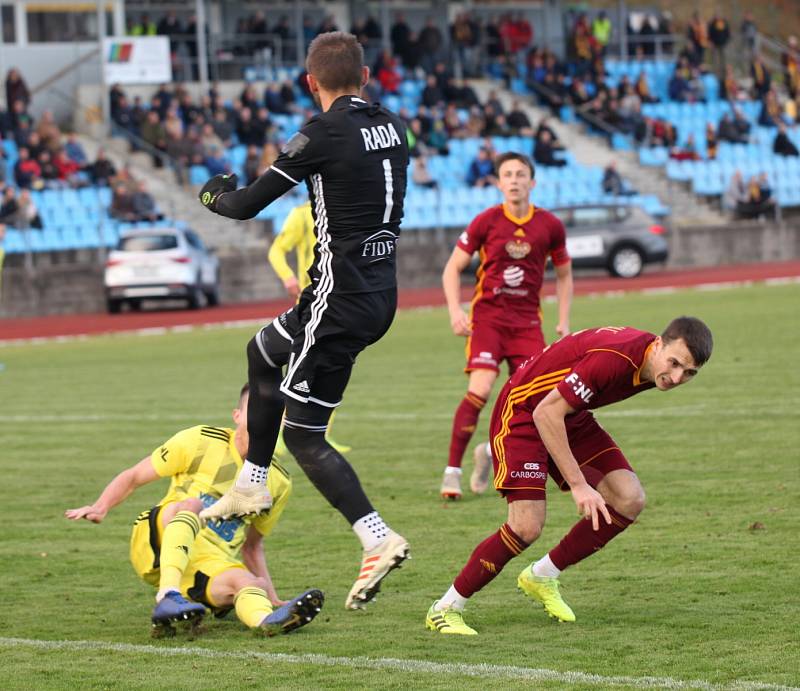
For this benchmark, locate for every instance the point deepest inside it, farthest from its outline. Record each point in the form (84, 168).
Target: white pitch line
(482, 670)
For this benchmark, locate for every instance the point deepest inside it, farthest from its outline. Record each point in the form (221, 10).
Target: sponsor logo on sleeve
(579, 388)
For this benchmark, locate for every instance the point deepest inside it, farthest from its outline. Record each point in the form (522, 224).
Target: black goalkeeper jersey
(354, 159)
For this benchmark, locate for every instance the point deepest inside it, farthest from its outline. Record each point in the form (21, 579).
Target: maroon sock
(488, 560)
(464, 423)
(582, 541)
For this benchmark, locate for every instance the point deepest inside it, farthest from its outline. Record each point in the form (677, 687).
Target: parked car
(621, 239)
(158, 264)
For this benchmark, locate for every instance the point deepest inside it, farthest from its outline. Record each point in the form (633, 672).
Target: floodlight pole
(202, 45)
(101, 35)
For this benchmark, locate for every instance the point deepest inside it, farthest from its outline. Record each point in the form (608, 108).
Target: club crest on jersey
(380, 137)
(518, 249)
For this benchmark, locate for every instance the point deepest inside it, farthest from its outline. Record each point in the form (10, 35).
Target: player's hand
(216, 186)
(459, 322)
(292, 286)
(90, 513)
(562, 329)
(590, 504)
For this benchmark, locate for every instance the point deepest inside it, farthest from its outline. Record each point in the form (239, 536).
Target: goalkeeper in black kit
(353, 158)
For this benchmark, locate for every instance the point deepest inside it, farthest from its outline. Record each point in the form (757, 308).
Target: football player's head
(515, 176)
(241, 437)
(335, 63)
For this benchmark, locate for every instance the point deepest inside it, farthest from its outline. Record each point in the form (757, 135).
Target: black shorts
(319, 339)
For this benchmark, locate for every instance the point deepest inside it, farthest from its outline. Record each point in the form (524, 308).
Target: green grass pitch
(703, 589)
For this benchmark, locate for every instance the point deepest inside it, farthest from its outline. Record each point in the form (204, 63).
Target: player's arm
(255, 561)
(117, 491)
(549, 420)
(284, 243)
(451, 282)
(564, 289)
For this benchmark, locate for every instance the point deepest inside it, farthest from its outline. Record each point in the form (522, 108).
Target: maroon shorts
(489, 345)
(522, 464)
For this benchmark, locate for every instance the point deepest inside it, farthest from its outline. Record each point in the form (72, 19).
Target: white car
(160, 264)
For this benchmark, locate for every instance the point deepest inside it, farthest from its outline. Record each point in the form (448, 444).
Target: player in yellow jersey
(221, 565)
(297, 234)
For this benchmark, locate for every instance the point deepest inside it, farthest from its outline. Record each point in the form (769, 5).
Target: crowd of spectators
(751, 199)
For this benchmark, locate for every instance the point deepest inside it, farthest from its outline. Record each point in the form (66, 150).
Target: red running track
(87, 324)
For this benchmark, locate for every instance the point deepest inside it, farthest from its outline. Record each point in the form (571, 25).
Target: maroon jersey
(590, 369)
(513, 252)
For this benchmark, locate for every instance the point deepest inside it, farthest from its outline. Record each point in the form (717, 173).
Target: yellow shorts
(207, 561)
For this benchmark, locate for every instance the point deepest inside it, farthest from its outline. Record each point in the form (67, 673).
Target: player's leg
(337, 481)
(179, 526)
(246, 592)
(482, 369)
(605, 468)
(267, 352)
(517, 347)
(525, 521)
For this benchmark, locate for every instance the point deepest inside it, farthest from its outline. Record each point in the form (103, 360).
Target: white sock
(545, 568)
(251, 475)
(160, 594)
(371, 530)
(452, 469)
(452, 598)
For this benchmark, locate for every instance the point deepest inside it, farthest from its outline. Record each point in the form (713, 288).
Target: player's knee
(631, 503)
(255, 358)
(303, 444)
(192, 504)
(528, 533)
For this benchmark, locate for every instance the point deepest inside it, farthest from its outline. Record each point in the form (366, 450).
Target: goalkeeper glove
(215, 187)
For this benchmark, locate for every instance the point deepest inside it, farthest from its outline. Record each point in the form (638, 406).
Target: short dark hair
(695, 334)
(335, 60)
(514, 156)
(244, 392)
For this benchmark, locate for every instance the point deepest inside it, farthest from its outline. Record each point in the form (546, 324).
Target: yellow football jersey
(297, 234)
(203, 462)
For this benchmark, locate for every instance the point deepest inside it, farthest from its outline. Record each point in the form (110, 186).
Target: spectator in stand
(544, 153)
(399, 34)
(584, 45)
(144, 206)
(719, 35)
(518, 120)
(155, 134)
(729, 132)
(215, 161)
(16, 89)
(465, 35)
(122, 204)
(74, 150)
(601, 32)
(388, 75)
(749, 32)
(430, 45)
(170, 26)
(481, 170)
(144, 27)
(578, 93)
(274, 99)
(27, 172)
(421, 175)
(223, 127)
(762, 81)
(613, 183)
(697, 33)
(69, 172)
(770, 115)
(735, 194)
(759, 199)
(48, 170)
(687, 152)
(432, 95)
(730, 88)
(19, 212)
(554, 92)
(782, 145)
(791, 67)
(8, 207)
(101, 171)
(643, 89)
(20, 116)
(712, 142)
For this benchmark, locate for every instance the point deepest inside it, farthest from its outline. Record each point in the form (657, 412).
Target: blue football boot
(298, 612)
(174, 608)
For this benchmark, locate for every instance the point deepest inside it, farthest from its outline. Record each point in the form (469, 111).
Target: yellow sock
(176, 548)
(252, 606)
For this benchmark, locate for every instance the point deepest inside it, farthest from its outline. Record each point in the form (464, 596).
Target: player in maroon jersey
(514, 240)
(541, 425)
